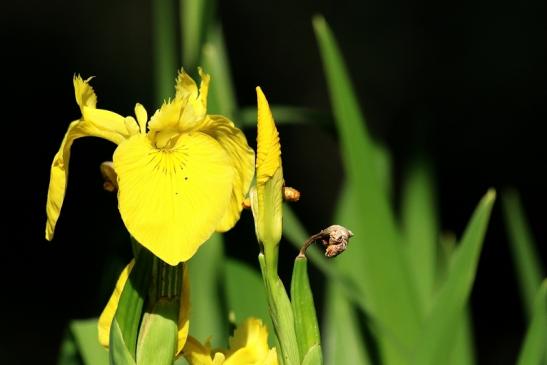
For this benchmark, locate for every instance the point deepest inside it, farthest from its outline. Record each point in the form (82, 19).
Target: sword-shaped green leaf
(438, 333)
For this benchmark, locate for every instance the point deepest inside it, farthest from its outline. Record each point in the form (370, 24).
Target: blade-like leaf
(420, 226)
(392, 299)
(343, 342)
(523, 249)
(86, 338)
(463, 351)
(285, 114)
(165, 48)
(222, 99)
(206, 273)
(118, 349)
(195, 19)
(305, 318)
(533, 350)
(130, 306)
(245, 294)
(438, 333)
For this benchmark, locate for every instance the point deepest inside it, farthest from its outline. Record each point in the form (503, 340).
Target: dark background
(464, 82)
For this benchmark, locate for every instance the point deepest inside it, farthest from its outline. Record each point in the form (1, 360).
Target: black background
(464, 82)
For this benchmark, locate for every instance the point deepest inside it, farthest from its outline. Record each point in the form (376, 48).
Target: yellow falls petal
(235, 144)
(59, 168)
(172, 200)
(107, 316)
(184, 313)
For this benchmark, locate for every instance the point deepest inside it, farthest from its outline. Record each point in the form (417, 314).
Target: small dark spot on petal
(186, 178)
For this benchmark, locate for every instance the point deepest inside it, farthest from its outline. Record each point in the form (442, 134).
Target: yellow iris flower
(248, 346)
(182, 175)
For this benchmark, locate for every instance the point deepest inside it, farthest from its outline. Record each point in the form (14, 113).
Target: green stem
(280, 311)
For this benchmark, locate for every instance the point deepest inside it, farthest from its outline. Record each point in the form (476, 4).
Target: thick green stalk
(281, 313)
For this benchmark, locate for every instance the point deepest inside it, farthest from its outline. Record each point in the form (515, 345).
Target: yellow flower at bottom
(182, 175)
(248, 346)
(107, 316)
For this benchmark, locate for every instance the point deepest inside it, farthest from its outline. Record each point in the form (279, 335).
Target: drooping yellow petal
(59, 168)
(269, 179)
(171, 200)
(94, 123)
(107, 316)
(235, 144)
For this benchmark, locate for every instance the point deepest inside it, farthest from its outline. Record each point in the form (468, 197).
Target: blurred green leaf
(391, 299)
(85, 334)
(343, 342)
(463, 351)
(534, 350)
(195, 19)
(166, 61)
(68, 352)
(420, 228)
(245, 294)
(438, 333)
(305, 318)
(222, 99)
(285, 114)
(206, 278)
(524, 254)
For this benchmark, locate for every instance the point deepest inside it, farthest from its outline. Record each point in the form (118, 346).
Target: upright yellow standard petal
(242, 158)
(269, 177)
(171, 200)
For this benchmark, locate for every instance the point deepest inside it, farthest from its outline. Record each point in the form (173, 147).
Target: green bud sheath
(305, 318)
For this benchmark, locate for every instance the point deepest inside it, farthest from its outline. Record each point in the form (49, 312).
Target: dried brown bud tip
(290, 194)
(110, 177)
(334, 238)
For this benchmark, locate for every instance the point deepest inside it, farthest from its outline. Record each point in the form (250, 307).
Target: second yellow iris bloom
(182, 175)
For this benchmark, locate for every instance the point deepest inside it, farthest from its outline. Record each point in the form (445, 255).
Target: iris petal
(171, 200)
(59, 168)
(235, 144)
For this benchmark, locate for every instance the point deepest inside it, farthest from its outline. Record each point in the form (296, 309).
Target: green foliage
(534, 351)
(305, 318)
(526, 259)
